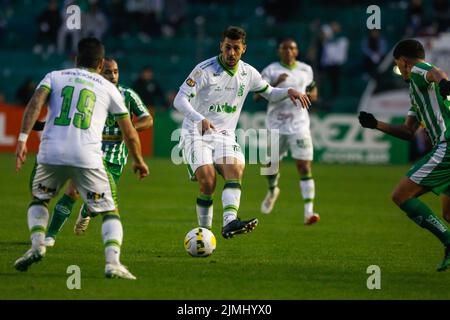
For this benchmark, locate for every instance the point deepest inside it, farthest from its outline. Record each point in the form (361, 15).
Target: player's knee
(304, 168)
(207, 185)
(397, 197)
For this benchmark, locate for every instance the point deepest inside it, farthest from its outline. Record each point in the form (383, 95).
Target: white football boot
(315, 217)
(118, 271)
(269, 200)
(31, 256)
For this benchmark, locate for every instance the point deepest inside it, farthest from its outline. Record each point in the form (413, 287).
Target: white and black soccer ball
(200, 242)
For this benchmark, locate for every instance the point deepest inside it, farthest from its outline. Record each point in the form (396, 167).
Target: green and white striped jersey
(428, 105)
(113, 146)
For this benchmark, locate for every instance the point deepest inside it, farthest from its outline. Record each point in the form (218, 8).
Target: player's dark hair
(286, 39)
(409, 48)
(234, 33)
(110, 59)
(90, 53)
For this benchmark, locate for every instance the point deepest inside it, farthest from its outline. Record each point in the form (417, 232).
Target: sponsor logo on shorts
(45, 189)
(91, 195)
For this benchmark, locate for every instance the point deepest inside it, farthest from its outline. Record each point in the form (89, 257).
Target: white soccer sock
(204, 209)
(37, 223)
(112, 234)
(307, 189)
(231, 198)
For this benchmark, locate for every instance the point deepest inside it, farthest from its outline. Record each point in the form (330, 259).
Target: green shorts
(433, 170)
(115, 170)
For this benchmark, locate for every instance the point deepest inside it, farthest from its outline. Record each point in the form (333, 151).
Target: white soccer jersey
(78, 106)
(284, 115)
(218, 93)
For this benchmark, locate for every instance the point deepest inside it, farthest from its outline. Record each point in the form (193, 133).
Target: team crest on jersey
(190, 82)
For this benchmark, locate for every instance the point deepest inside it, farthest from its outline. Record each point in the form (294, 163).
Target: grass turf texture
(281, 259)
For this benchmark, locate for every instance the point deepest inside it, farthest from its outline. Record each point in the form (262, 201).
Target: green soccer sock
(84, 211)
(273, 181)
(421, 214)
(62, 211)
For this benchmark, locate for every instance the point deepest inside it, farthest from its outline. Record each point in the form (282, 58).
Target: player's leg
(230, 162)
(206, 177)
(84, 218)
(302, 151)
(61, 212)
(99, 193)
(405, 196)
(277, 149)
(45, 182)
(197, 154)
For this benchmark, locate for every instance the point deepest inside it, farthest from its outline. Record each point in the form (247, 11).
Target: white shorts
(210, 149)
(300, 145)
(96, 186)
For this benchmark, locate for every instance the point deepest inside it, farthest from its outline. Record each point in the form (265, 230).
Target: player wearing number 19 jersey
(115, 154)
(79, 100)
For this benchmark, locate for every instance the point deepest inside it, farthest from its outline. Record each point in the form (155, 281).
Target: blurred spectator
(148, 88)
(25, 91)
(334, 55)
(170, 96)
(415, 17)
(441, 15)
(94, 23)
(175, 15)
(147, 15)
(119, 23)
(281, 12)
(49, 22)
(374, 48)
(64, 32)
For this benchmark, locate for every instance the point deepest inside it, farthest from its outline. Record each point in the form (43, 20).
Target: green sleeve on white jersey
(46, 83)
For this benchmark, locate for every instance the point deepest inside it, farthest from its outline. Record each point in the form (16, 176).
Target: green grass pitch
(281, 259)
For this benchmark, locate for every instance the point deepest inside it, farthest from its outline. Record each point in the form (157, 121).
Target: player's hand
(444, 88)
(295, 95)
(367, 120)
(142, 168)
(207, 126)
(21, 154)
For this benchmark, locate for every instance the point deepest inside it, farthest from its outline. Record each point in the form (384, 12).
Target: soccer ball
(200, 242)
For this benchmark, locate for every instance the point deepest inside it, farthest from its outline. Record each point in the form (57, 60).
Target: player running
(115, 154)
(429, 90)
(79, 100)
(211, 100)
(292, 124)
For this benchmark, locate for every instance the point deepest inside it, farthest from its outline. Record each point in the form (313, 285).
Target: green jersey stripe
(425, 113)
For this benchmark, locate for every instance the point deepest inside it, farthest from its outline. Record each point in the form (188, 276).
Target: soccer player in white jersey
(292, 125)
(211, 100)
(79, 100)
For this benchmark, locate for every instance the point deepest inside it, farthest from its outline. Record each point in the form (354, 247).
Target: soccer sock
(273, 181)
(421, 214)
(84, 211)
(204, 210)
(307, 189)
(61, 213)
(112, 234)
(231, 197)
(37, 222)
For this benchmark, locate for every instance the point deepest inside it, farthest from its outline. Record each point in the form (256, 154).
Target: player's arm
(133, 144)
(312, 92)
(405, 131)
(143, 122)
(440, 77)
(277, 94)
(30, 115)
